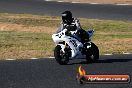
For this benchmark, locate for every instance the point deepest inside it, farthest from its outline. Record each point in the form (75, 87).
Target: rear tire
(61, 59)
(93, 53)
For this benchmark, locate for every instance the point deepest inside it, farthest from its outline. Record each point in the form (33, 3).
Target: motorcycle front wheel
(60, 57)
(93, 53)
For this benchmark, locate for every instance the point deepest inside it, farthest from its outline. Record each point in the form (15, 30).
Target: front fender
(74, 45)
(90, 33)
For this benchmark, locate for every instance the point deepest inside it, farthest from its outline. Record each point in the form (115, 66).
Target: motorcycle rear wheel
(61, 58)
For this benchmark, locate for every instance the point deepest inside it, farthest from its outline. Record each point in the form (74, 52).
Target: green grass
(16, 42)
(32, 22)
(23, 40)
(107, 25)
(111, 36)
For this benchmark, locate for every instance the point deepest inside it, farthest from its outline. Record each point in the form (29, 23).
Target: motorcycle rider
(67, 21)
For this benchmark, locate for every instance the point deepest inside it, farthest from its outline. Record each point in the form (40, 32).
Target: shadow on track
(103, 61)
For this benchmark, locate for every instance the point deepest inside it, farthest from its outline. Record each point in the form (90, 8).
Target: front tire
(60, 57)
(93, 53)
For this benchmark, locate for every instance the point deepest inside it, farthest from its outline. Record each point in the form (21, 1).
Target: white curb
(123, 4)
(10, 59)
(94, 3)
(126, 53)
(108, 54)
(48, 0)
(60, 1)
(34, 58)
(75, 2)
(51, 57)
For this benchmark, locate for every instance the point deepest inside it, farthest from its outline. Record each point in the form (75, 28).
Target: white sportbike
(70, 47)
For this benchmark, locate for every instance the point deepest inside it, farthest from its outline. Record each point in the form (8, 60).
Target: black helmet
(67, 17)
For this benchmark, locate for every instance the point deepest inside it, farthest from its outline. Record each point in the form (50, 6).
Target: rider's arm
(78, 24)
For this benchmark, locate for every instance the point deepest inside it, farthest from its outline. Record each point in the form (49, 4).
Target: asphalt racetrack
(40, 7)
(45, 72)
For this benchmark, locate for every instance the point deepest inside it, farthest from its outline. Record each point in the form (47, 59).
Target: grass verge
(26, 36)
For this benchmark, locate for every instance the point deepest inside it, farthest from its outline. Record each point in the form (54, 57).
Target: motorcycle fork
(67, 50)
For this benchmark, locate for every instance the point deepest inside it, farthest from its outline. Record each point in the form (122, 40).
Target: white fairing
(74, 44)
